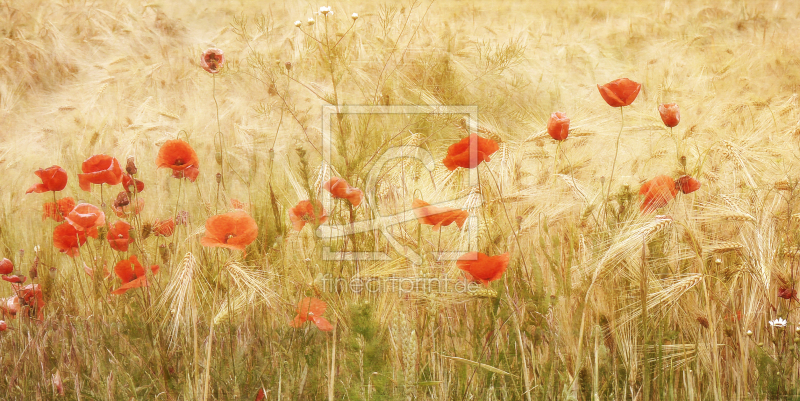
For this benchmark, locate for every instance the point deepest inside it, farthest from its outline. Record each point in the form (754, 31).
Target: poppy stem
(219, 132)
(510, 223)
(210, 340)
(614, 164)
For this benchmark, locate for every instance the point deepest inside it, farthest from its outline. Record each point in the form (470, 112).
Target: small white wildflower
(298, 23)
(36, 249)
(354, 16)
(311, 21)
(749, 333)
(325, 10)
(779, 322)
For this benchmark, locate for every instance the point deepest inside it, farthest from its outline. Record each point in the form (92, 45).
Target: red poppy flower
(119, 236)
(620, 92)
(458, 154)
(212, 60)
(31, 295)
(261, 395)
(177, 155)
(303, 213)
(234, 230)
(132, 274)
(53, 179)
(3, 325)
(6, 266)
(163, 228)
(312, 309)
(67, 239)
(87, 217)
(100, 169)
(687, 184)
(438, 216)
(558, 126)
(15, 279)
(657, 193)
(10, 306)
(483, 268)
(59, 209)
(787, 293)
(190, 173)
(128, 182)
(670, 114)
(340, 189)
(129, 209)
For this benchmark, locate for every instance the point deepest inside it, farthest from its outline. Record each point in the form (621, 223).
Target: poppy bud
(219, 178)
(288, 66)
(558, 126)
(146, 229)
(182, 219)
(165, 253)
(670, 114)
(130, 168)
(34, 271)
(122, 200)
(6, 267)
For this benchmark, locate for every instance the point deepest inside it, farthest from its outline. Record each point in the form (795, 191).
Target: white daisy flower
(779, 322)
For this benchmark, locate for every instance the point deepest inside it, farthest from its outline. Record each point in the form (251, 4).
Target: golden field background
(565, 322)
